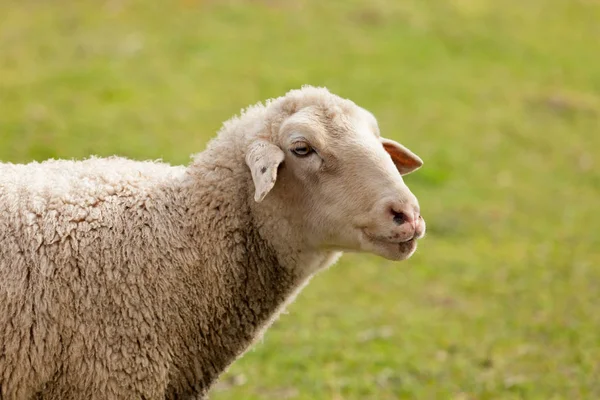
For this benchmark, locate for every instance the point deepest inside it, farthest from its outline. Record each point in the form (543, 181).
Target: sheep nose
(405, 215)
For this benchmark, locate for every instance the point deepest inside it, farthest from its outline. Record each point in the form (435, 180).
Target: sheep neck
(242, 280)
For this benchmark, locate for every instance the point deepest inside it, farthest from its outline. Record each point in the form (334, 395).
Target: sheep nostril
(399, 218)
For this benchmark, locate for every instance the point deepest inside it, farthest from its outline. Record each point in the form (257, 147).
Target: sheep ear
(263, 159)
(406, 161)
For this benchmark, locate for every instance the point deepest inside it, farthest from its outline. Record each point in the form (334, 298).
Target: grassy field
(500, 98)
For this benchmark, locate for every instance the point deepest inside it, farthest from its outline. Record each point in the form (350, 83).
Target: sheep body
(126, 279)
(81, 278)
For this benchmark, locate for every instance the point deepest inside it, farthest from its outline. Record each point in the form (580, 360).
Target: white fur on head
(263, 159)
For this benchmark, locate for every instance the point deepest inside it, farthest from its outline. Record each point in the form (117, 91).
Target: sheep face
(328, 171)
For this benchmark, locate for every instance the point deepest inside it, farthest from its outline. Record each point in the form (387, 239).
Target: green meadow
(501, 99)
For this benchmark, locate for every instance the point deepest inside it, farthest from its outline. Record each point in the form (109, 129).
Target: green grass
(500, 98)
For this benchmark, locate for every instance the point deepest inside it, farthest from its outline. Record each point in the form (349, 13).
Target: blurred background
(500, 98)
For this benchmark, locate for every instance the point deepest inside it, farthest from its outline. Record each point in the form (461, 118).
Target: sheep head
(325, 170)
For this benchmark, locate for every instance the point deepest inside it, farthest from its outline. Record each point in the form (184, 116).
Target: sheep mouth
(406, 244)
(383, 239)
(392, 249)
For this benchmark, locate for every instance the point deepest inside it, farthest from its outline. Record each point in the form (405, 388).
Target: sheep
(124, 279)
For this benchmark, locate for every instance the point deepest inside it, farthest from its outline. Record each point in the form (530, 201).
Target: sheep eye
(302, 149)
